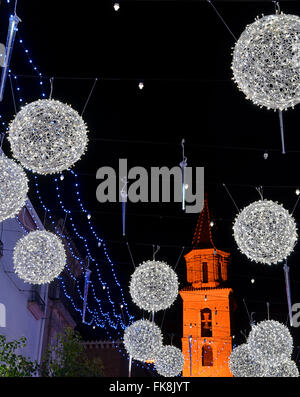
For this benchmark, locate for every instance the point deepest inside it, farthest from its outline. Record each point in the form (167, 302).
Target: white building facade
(22, 305)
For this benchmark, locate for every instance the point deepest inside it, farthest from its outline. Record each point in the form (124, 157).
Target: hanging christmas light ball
(266, 61)
(154, 286)
(47, 136)
(271, 342)
(39, 257)
(141, 339)
(168, 361)
(286, 369)
(265, 232)
(13, 188)
(243, 364)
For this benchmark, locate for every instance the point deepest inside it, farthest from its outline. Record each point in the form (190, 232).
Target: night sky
(182, 53)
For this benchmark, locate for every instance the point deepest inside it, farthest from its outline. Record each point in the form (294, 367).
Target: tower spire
(203, 237)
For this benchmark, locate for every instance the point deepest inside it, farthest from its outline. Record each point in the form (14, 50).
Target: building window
(2, 315)
(36, 297)
(204, 272)
(206, 327)
(207, 356)
(35, 303)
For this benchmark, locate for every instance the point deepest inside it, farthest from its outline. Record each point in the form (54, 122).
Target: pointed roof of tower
(203, 237)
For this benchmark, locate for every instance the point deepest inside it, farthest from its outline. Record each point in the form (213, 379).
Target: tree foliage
(67, 358)
(13, 364)
(64, 358)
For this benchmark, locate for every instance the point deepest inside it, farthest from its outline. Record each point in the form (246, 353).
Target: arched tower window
(219, 270)
(204, 272)
(207, 356)
(206, 328)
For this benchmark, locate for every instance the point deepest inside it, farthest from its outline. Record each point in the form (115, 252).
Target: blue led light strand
(104, 285)
(85, 241)
(98, 239)
(95, 317)
(67, 239)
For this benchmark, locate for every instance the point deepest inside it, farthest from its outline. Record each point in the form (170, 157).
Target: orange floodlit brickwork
(206, 342)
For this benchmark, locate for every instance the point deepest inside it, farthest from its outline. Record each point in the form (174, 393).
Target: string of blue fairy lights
(100, 242)
(84, 211)
(95, 321)
(95, 317)
(80, 261)
(60, 278)
(105, 286)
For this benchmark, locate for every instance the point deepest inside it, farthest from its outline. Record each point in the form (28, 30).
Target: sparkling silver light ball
(271, 342)
(39, 257)
(47, 136)
(243, 364)
(142, 339)
(13, 188)
(265, 232)
(168, 361)
(153, 286)
(266, 61)
(285, 369)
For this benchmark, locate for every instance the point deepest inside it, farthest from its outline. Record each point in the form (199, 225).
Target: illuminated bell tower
(206, 342)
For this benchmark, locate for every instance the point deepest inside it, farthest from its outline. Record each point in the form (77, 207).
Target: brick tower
(206, 342)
